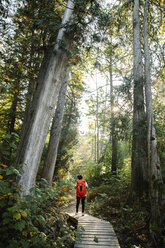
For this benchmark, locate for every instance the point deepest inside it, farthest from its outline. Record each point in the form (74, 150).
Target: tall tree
(97, 124)
(113, 136)
(51, 155)
(69, 133)
(44, 101)
(139, 165)
(154, 170)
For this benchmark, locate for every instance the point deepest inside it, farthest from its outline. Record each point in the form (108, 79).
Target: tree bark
(13, 110)
(139, 169)
(154, 170)
(43, 108)
(65, 133)
(66, 129)
(32, 96)
(55, 133)
(97, 124)
(114, 138)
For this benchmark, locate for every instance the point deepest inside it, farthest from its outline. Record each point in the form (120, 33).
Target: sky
(90, 81)
(91, 90)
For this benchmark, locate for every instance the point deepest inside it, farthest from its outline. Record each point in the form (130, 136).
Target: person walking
(80, 186)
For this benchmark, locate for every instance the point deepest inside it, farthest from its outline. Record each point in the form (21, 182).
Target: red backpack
(81, 188)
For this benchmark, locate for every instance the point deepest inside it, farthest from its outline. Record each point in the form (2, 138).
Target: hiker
(80, 186)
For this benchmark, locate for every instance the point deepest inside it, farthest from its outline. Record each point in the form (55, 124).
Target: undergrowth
(112, 202)
(35, 220)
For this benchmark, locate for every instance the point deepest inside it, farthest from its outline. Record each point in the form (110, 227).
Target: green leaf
(41, 219)
(6, 153)
(96, 239)
(9, 171)
(12, 145)
(6, 221)
(16, 172)
(20, 225)
(7, 136)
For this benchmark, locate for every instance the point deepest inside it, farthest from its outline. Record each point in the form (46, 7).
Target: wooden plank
(96, 246)
(92, 242)
(95, 228)
(97, 232)
(88, 219)
(94, 224)
(100, 237)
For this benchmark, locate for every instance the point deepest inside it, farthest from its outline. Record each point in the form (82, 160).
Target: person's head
(80, 177)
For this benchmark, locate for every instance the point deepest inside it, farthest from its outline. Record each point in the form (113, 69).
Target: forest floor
(129, 219)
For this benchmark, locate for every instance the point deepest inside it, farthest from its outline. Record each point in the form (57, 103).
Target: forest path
(95, 233)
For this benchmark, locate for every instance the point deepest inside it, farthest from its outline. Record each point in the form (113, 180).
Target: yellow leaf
(24, 233)
(17, 216)
(1, 177)
(23, 213)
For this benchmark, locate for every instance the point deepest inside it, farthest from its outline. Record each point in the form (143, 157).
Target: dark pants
(78, 203)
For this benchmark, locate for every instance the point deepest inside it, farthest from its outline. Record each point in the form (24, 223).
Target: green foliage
(129, 219)
(32, 221)
(109, 184)
(93, 173)
(7, 145)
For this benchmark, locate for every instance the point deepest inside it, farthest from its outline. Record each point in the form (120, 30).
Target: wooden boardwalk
(96, 233)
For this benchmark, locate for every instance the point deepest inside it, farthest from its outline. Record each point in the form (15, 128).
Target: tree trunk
(43, 108)
(55, 133)
(95, 142)
(31, 101)
(32, 85)
(114, 154)
(65, 131)
(139, 170)
(114, 138)
(13, 110)
(97, 124)
(12, 120)
(154, 170)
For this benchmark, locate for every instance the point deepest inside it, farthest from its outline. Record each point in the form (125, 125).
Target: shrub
(32, 221)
